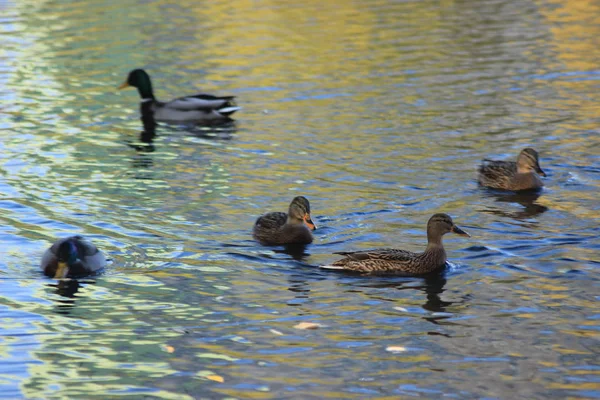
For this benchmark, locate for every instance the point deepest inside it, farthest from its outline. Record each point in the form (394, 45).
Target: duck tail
(227, 111)
(332, 267)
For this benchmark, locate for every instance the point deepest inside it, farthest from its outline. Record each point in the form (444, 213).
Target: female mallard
(281, 228)
(510, 175)
(73, 257)
(196, 108)
(402, 262)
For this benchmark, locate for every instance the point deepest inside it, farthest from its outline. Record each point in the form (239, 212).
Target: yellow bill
(62, 271)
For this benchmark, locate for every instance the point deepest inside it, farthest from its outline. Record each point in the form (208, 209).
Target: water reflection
(528, 200)
(67, 289)
(147, 136)
(296, 251)
(216, 131)
(223, 130)
(300, 286)
(351, 123)
(432, 285)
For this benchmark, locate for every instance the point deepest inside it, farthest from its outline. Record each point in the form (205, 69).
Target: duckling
(195, 108)
(402, 262)
(510, 175)
(277, 228)
(72, 256)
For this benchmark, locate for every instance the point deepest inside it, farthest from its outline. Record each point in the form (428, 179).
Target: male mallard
(510, 175)
(72, 256)
(402, 262)
(196, 108)
(281, 228)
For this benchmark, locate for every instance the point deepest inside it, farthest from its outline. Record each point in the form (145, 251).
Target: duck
(402, 262)
(72, 256)
(187, 109)
(521, 175)
(279, 228)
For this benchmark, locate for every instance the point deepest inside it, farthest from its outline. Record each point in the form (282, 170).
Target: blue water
(379, 114)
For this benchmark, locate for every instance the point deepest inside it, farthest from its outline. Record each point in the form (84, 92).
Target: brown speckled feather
(402, 262)
(270, 221)
(393, 261)
(497, 174)
(377, 254)
(278, 228)
(510, 175)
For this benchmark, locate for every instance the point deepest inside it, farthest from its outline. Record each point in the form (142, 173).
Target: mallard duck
(196, 108)
(510, 175)
(72, 256)
(402, 262)
(278, 228)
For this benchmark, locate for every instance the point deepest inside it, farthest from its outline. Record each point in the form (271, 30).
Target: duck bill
(62, 271)
(124, 85)
(459, 231)
(539, 171)
(311, 225)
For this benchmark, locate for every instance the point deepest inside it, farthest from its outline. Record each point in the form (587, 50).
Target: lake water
(379, 113)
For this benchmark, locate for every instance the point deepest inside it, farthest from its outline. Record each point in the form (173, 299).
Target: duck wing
(497, 174)
(377, 262)
(271, 221)
(85, 248)
(377, 254)
(205, 102)
(267, 228)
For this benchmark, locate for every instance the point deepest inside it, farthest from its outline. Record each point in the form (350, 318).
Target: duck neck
(435, 250)
(293, 221)
(523, 169)
(144, 88)
(434, 240)
(526, 180)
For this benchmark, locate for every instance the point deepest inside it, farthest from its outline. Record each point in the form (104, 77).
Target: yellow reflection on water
(575, 27)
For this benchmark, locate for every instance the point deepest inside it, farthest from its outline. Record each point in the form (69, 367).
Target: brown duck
(278, 228)
(510, 175)
(402, 262)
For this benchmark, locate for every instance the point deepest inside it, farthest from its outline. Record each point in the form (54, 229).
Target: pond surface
(379, 112)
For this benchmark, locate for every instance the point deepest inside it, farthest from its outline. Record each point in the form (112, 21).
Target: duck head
(300, 211)
(440, 224)
(139, 79)
(528, 161)
(67, 255)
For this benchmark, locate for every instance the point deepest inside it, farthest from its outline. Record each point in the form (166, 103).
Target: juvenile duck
(196, 108)
(510, 175)
(278, 228)
(402, 262)
(72, 257)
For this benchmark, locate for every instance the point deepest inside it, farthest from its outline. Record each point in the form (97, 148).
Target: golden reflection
(331, 78)
(575, 26)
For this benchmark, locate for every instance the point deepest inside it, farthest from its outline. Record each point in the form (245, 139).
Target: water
(379, 113)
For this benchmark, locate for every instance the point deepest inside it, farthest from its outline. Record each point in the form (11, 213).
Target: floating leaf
(206, 374)
(169, 349)
(307, 325)
(215, 378)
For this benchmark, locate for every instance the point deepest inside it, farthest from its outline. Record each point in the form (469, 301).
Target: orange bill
(311, 225)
